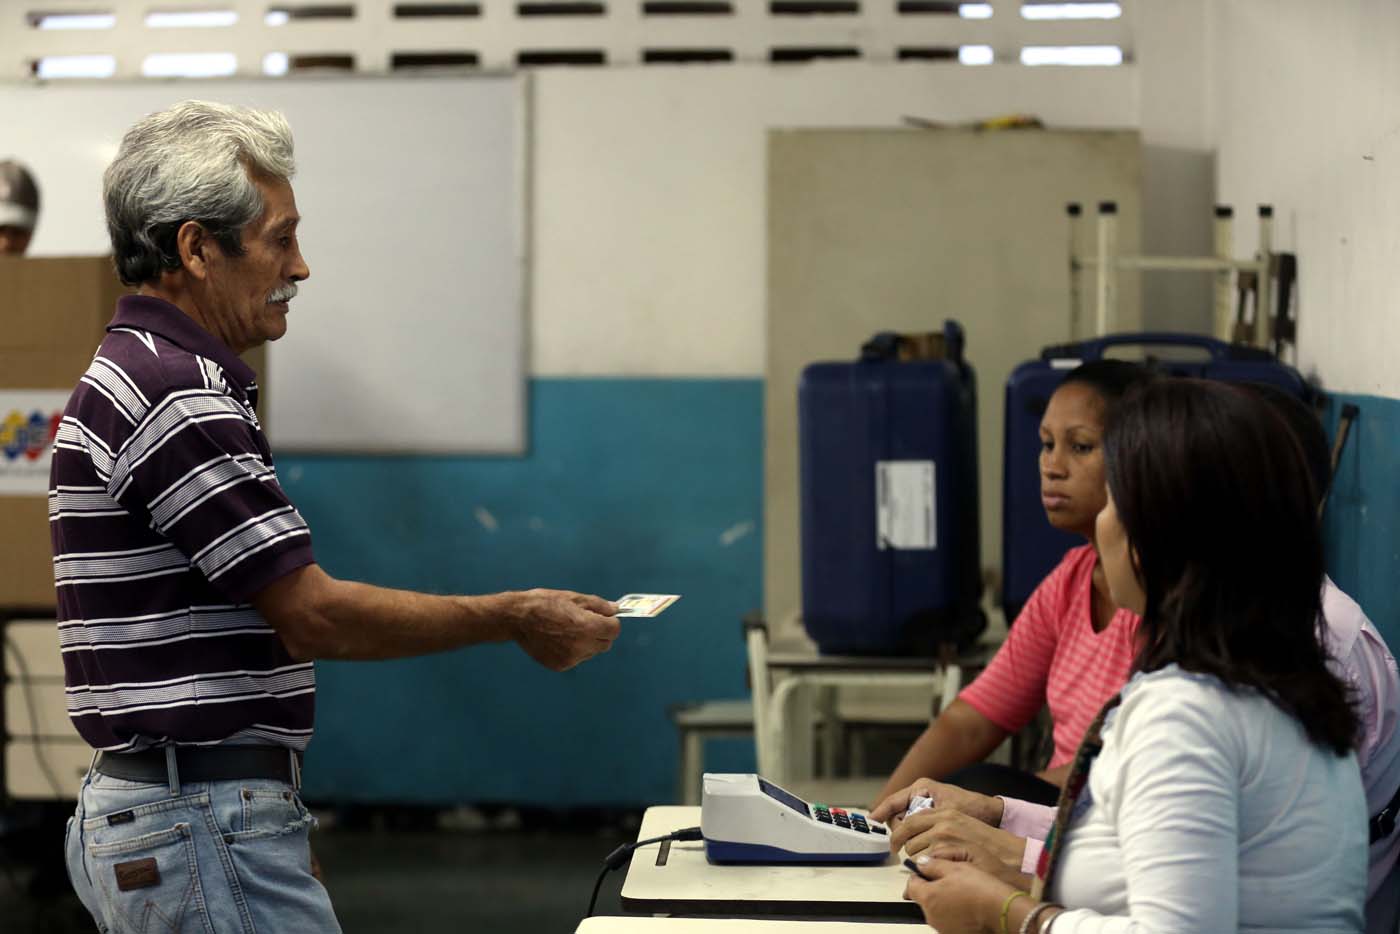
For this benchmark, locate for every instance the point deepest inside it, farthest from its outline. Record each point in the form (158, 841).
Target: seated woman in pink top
(1070, 647)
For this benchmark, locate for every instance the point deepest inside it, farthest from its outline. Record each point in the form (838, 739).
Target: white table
(676, 878)
(725, 926)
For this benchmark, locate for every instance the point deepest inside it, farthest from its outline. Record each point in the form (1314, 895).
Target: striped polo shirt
(167, 519)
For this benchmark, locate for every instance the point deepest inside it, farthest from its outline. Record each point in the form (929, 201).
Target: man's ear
(194, 245)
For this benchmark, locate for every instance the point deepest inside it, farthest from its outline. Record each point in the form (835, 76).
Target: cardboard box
(53, 314)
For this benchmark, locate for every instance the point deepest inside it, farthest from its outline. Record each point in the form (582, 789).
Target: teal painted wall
(1362, 523)
(628, 485)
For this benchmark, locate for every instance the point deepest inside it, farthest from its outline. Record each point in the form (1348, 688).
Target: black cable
(623, 854)
(39, 753)
(1350, 412)
(593, 899)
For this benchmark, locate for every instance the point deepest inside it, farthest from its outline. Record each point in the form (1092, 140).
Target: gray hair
(193, 162)
(19, 196)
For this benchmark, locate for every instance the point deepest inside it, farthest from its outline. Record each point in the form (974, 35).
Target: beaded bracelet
(1027, 925)
(1006, 908)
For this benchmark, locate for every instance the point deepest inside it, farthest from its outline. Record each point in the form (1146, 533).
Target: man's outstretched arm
(318, 616)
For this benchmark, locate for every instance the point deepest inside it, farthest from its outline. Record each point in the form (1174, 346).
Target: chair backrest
(756, 637)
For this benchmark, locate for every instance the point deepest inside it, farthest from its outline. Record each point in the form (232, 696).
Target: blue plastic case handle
(1093, 349)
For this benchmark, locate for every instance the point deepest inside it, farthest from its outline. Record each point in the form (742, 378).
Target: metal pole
(1224, 310)
(1129, 261)
(1106, 273)
(1076, 299)
(1263, 312)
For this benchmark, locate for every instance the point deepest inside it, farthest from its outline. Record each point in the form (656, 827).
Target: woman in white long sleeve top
(1225, 796)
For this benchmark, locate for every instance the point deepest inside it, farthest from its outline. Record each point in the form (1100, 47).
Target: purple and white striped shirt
(167, 519)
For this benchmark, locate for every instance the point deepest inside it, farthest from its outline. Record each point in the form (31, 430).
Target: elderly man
(190, 603)
(19, 208)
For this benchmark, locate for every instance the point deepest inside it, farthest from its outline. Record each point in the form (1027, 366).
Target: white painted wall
(649, 193)
(1306, 101)
(1178, 158)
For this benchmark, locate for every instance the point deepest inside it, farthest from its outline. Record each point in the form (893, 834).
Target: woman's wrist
(1037, 917)
(1003, 917)
(994, 903)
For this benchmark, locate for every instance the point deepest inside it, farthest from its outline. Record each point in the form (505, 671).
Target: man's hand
(945, 798)
(560, 628)
(935, 830)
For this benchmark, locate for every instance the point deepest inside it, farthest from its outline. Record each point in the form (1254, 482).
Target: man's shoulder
(149, 361)
(133, 370)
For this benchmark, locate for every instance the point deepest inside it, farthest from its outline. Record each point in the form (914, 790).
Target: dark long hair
(1214, 492)
(1306, 427)
(1109, 378)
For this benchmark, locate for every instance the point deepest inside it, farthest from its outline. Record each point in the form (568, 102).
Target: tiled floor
(390, 879)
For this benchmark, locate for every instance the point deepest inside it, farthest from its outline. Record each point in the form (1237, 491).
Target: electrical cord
(31, 702)
(1350, 412)
(623, 854)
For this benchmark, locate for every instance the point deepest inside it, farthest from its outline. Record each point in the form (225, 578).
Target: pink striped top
(1053, 656)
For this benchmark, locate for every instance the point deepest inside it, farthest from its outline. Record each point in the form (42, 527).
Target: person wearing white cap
(19, 208)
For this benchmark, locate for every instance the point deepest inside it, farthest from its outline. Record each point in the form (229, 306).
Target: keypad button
(862, 828)
(877, 828)
(823, 818)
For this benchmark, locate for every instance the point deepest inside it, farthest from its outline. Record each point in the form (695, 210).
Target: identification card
(644, 604)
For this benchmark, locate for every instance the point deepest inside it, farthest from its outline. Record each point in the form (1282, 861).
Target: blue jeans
(209, 857)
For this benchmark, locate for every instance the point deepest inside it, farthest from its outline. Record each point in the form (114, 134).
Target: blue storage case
(889, 507)
(1031, 547)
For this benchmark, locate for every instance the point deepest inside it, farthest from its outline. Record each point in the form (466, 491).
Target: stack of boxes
(53, 313)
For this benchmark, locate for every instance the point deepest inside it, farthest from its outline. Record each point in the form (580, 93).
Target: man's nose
(299, 270)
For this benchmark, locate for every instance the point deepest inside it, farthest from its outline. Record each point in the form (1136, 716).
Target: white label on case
(904, 505)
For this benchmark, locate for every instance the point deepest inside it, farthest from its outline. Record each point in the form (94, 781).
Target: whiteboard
(409, 334)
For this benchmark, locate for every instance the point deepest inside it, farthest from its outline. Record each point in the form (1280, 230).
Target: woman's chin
(1074, 525)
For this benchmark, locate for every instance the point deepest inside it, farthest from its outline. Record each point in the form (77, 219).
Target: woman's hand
(945, 797)
(979, 857)
(958, 898)
(938, 827)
